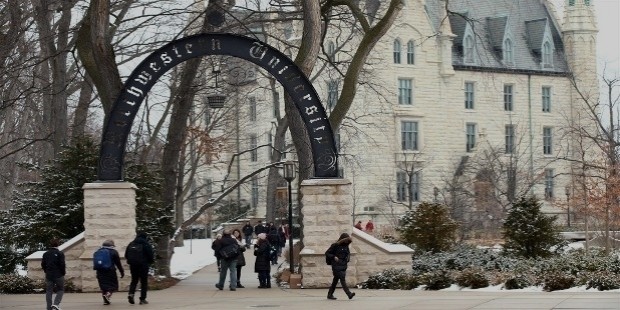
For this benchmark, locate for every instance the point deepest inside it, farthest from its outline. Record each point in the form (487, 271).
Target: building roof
(524, 21)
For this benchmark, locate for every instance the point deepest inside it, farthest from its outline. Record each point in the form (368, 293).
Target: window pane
(404, 91)
(510, 139)
(396, 51)
(469, 95)
(546, 99)
(332, 94)
(253, 145)
(252, 108)
(410, 52)
(508, 98)
(469, 49)
(547, 140)
(470, 137)
(401, 186)
(415, 186)
(409, 133)
(549, 184)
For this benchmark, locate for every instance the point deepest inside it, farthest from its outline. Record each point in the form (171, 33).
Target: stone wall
(327, 210)
(109, 213)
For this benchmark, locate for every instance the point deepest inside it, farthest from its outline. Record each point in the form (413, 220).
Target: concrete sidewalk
(199, 292)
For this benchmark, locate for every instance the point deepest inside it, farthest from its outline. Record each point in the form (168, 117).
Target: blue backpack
(102, 259)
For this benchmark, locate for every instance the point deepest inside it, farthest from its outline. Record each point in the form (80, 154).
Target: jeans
(140, 273)
(232, 266)
(59, 284)
(339, 276)
(248, 240)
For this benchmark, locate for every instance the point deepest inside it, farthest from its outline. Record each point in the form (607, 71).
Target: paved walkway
(199, 292)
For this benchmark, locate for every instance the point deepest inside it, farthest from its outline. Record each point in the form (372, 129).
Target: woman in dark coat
(241, 258)
(262, 266)
(108, 281)
(339, 254)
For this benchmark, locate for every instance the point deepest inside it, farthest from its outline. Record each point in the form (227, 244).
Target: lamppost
(289, 175)
(567, 192)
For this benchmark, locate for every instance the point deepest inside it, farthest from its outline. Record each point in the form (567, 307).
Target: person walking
(247, 230)
(107, 279)
(53, 264)
(218, 259)
(228, 263)
(139, 255)
(274, 241)
(262, 265)
(339, 255)
(259, 228)
(241, 258)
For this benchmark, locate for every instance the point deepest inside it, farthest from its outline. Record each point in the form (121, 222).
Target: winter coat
(222, 243)
(259, 228)
(274, 237)
(147, 250)
(261, 251)
(241, 257)
(108, 281)
(282, 235)
(247, 230)
(340, 249)
(53, 264)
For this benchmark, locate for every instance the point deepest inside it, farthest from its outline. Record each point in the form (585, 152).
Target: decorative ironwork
(142, 79)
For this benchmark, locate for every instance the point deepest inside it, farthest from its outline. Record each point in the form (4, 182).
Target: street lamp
(289, 175)
(567, 192)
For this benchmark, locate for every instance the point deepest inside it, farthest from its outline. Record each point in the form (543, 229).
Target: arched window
(396, 51)
(547, 54)
(468, 50)
(508, 51)
(410, 52)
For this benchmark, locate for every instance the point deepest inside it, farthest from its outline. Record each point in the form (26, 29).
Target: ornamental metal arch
(144, 76)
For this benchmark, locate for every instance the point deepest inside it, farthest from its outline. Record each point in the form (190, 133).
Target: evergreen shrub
(429, 227)
(12, 283)
(394, 279)
(473, 278)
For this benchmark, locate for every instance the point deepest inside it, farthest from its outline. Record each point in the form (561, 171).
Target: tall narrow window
(547, 55)
(405, 91)
(207, 117)
(252, 108)
(331, 51)
(332, 93)
(337, 139)
(409, 135)
(401, 186)
(410, 52)
(253, 145)
(276, 104)
(546, 99)
(508, 98)
(396, 51)
(508, 52)
(547, 140)
(469, 95)
(510, 139)
(208, 188)
(470, 137)
(468, 49)
(549, 184)
(254, 192)
(414, 194)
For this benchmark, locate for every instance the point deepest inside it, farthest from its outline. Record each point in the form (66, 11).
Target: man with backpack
(53, 264)
(227, 249)
(139, 255)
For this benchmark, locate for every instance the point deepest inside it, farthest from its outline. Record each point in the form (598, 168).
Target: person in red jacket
(370, 226)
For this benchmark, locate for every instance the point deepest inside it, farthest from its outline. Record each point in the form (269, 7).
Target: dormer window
(508, 52)
(547, 55)
(396, 51)
(468, 49)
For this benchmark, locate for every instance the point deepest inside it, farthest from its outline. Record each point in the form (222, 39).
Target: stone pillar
(327, 209)
(109, 213)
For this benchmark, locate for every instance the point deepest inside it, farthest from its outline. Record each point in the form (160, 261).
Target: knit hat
(262, 236)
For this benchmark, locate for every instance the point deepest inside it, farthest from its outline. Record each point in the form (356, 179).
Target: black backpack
(230, 251)
(135, 253)
(327, 259)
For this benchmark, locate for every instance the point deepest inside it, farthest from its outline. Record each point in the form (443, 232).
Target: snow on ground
(193, 256)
